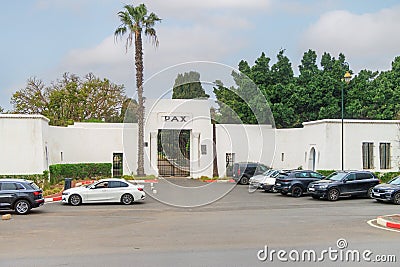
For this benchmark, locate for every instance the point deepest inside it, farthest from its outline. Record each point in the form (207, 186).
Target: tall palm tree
(135, 20)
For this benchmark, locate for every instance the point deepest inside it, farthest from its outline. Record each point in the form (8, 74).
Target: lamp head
(347, 77)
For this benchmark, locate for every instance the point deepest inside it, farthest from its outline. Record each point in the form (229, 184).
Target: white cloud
(177, 45)
(211, 4)
(370, 39)
(59, 4)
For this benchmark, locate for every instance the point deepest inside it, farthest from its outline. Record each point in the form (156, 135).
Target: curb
(143, 181)
(390, 221)
(220, 181)
(52, 199)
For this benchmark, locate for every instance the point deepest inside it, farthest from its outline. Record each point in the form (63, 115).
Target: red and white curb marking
(52, 199)
(381, 220)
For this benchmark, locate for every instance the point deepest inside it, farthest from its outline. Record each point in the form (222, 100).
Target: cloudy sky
(45, 38)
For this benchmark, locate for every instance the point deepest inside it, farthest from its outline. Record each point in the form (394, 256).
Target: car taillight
(238, 171)
(140, 189)
(36, 193)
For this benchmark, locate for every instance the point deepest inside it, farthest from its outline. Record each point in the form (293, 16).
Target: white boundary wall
(23, 144)
(24, 140)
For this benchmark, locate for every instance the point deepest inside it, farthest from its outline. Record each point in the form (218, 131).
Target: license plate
(311, 189)
(376, 194)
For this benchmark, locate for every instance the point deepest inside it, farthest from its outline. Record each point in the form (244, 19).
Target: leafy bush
(386, 176)
(79, 171)
(42, 180)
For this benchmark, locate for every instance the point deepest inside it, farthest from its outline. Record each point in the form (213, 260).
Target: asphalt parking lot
(228, 232)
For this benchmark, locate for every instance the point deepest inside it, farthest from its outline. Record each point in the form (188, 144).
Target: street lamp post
(346, 78)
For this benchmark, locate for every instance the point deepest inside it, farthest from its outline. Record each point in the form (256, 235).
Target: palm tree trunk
(139, 85)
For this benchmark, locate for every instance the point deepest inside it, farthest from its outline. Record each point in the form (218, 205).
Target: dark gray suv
(243, 171)
(20, 195)
(344, 183)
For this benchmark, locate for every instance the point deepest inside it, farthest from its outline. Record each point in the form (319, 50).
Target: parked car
(106, 190)
(243, 171)
(388, 192)
(268, 183)
(20, 195)
(295, 182)
(344, 183)
(255, 181)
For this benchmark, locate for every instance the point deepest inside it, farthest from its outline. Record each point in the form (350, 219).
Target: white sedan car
(255, 181)
(106, 190)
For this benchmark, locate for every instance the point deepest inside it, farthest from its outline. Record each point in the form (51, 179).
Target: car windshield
(34, 186)
(274, 173)
(267, 172)
(395, 181)
(336, 176)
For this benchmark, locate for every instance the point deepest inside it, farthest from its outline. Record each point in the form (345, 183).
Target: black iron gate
(173, 152)
(117, 164)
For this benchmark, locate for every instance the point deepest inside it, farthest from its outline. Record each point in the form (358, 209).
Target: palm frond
(152, 34)
(119, 32)
(135, 19)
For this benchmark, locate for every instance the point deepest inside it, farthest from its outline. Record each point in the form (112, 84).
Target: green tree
(71, 99)
(1, 110)
(135, 20)
(375, 96)
(188, 86)
(33, 99)
(282, 71)
(308, 67)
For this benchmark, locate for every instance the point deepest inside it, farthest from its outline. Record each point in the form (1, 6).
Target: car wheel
(297, 191)
(22, 207)
(333, 194)
(75, 200)
(396, 198)
(370, 192)
(244, 180)
(127, 199)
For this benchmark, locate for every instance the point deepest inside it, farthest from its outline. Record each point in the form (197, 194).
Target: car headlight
(323, 186)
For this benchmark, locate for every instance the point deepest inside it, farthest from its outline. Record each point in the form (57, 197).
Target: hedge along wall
(79, 171)
(37, 178)
(384, 177)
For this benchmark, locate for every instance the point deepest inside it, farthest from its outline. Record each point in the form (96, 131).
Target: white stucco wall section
(325, 137)
(23, 141)
(93, 143)
(254, 143)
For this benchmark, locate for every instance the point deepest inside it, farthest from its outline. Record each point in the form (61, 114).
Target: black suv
(344, 183)
(295, 182)
(389, 191)
(243, 171)
(20, 195)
